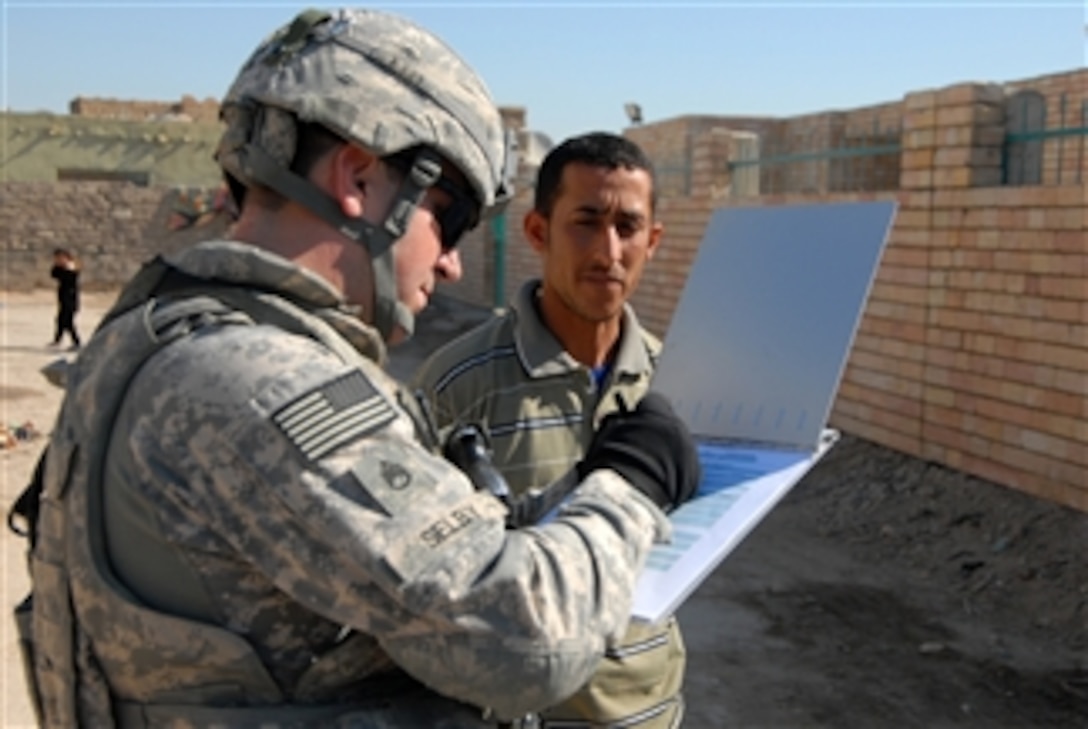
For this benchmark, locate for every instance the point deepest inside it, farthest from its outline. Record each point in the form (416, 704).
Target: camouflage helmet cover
(372, 78)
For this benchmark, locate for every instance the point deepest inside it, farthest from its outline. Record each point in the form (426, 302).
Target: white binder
(752, 362)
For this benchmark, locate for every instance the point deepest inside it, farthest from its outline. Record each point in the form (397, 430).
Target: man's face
(597, 239)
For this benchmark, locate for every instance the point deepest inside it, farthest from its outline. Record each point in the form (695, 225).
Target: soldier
(545, 374)
(237, 525)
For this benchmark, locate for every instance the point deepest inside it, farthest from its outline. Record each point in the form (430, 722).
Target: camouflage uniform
(540, 408)
(267, 532)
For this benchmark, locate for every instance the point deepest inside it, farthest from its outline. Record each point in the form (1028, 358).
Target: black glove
(651, 448)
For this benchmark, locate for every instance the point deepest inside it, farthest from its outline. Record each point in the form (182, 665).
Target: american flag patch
(340, 411)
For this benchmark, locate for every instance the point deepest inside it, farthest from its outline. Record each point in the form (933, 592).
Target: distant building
(147, 143)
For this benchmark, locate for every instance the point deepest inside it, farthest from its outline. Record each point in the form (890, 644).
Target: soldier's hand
(651, 448)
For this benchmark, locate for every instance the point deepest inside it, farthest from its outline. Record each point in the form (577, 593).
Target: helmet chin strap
(389, 313)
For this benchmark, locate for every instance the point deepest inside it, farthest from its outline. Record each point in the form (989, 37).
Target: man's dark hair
(596, 149)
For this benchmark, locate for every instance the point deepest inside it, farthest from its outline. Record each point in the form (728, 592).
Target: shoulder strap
(28, 504)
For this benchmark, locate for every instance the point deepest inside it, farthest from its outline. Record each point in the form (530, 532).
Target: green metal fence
(1036, 153)
(850, 159)
(1044, 141)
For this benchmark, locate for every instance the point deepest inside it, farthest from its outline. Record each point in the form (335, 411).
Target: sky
(573, 65)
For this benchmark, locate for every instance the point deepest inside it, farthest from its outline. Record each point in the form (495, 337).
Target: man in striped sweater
(540, 378)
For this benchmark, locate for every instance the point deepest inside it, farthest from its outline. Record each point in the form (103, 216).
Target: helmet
(379, 81)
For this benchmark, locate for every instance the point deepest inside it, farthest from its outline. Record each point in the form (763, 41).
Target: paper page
(740, 485)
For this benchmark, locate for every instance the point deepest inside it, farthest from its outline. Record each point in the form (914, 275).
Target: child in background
(66, 272)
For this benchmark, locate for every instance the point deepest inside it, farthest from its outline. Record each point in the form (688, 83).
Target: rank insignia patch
(336, 413)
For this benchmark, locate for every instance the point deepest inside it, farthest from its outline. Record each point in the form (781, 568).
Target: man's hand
(651, 448)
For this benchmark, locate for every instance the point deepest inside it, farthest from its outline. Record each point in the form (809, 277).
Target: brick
(939, 396)
(988, 135)
(1067, 264)
(922, 118)
(950, 218)
(1067, 288)
(946, 417)
(920, 100)
(985, 176)
(1046, 196)
(1065, 219)
(918, 159)
(974, 156)
(912, 199)
(905, 441)
(940, 258)
(1064, 357)
(959, 115)
(1071, 241)
(919, 139)
(1013, 261)
(953, 439)
(1051, 469)
(944, 337)
(960, 199)
(907, 257)
(910, 237)
(1060, 403)
(882, 390)
(980, 217)
(971, 93)
(916, 179)
(1019, 415)
(954, 136)
(902, 294)
(944, 177)
(1063, 310)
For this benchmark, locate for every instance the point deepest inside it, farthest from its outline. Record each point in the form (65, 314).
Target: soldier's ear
(535, 226)
(352, 174)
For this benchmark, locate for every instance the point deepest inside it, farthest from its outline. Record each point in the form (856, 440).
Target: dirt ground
(884, 591)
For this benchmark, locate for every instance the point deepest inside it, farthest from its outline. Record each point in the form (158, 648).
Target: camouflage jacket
(276, 505)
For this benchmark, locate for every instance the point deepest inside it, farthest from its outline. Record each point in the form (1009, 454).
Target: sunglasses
(457, 218)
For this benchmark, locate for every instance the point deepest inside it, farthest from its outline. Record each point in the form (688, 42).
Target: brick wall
(670, 144)
(1005, 387)
(845, 131)
(111, 227)
(188, 108)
